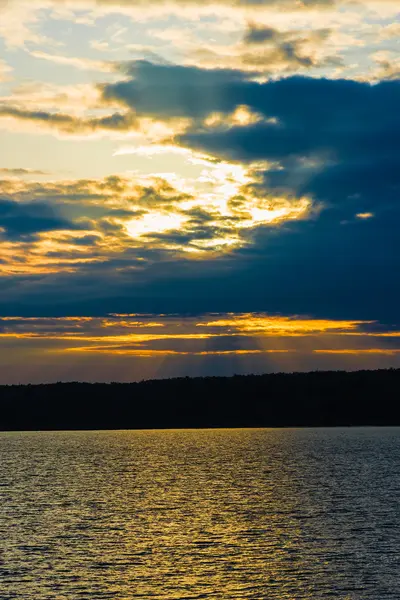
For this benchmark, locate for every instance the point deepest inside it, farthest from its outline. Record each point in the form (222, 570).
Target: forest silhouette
(332, 398)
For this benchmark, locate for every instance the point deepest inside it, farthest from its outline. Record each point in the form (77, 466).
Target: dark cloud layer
(26, 220)
(161, 90)
(303, 105)
(336, 140)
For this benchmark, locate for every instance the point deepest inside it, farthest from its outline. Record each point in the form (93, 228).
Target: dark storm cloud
(311, 112)
(336, 140)
(23, 220)
(321, 268)
(312, 115)
(331, 138)
(161, 90)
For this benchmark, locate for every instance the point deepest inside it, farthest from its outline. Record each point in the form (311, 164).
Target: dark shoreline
(315, 399)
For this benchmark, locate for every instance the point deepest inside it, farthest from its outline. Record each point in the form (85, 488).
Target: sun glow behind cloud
(155, 222)
(204, 206)
(214, 188)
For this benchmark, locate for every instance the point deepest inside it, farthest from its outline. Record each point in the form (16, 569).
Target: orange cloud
(358, 351)
(286, 326)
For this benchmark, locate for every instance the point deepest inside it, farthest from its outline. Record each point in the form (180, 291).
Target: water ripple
(190, 515)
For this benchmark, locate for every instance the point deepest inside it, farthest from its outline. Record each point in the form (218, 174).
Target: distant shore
(329, 399)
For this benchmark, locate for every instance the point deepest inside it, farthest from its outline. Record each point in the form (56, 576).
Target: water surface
(184, 515)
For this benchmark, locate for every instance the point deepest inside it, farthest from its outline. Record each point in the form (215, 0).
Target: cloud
(270, 219)
(70, 124)
(19, 172)
(220, 332)
(189, 92)
(175, 4)
(389, 32)
(18, 24)
(20, 21)
(332, 139)
(128, 224)
(388, 66)
(162, 100)
(303, 4)
(141, 344)
(84, 64)
(174, 90)
(270, 49)
(322, 152)
(258, 193)
(41, 96)
(34, 108)
(317, 267)
(19, 221)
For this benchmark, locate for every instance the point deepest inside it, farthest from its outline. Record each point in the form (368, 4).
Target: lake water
(219, 514)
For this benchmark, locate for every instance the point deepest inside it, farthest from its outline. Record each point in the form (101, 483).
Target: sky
(198, 188)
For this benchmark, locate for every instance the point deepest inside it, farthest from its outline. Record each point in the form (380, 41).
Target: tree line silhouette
(331, 398)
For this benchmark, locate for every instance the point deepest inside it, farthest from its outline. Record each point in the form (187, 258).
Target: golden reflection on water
(217, 514)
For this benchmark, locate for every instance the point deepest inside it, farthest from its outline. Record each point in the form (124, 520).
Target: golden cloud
(130, 217)
(171, 335)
